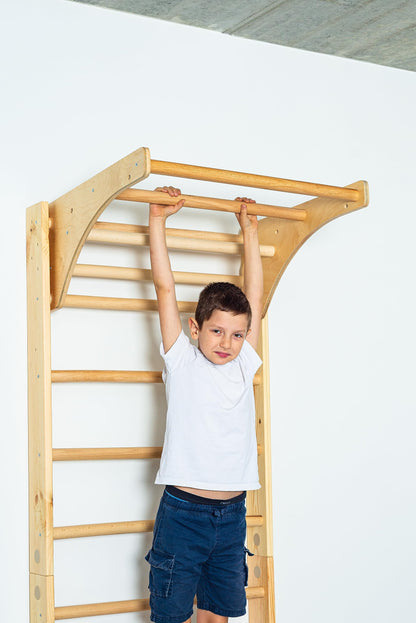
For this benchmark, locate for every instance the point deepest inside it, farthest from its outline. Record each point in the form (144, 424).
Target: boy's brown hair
(224, 296)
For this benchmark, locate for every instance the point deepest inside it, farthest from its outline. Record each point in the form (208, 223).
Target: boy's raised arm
(170, 323)
(253, 269)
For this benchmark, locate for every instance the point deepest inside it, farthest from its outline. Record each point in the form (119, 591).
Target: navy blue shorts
(198, 549)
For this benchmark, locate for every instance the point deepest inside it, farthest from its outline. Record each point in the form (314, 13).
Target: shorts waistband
(198, 499)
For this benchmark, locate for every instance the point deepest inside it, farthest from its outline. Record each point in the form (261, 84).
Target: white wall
(81, 88)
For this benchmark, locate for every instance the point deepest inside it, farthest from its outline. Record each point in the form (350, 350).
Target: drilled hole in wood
(256, 539)
(37, 592)
(257, 572)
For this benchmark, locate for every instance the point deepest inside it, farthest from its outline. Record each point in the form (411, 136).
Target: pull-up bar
(207, 174)
(208, 203)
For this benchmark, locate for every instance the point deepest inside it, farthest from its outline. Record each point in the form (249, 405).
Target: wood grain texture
(211, 203)
(74, 214)
(39, 411)
(97, 271)
(288, 238)
(176, 169)
(209, 245)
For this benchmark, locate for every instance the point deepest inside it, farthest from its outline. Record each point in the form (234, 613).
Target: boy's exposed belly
(215, 495)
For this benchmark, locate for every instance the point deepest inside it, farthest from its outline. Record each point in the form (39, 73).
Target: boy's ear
(193, 326)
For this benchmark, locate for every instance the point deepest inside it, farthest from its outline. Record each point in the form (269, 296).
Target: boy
(209, 456)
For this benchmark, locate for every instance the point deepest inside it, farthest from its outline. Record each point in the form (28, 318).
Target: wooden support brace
(74, 214)
(288, 239)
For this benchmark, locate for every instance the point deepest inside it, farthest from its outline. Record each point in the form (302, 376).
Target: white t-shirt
(210, 440)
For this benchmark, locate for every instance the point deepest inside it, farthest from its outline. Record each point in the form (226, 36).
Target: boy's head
(222, 322)
(225, 297)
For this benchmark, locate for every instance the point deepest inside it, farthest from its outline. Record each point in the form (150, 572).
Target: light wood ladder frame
(56, 233)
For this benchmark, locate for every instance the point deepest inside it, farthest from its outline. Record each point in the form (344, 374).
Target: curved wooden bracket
(288, 236)
(74, 214)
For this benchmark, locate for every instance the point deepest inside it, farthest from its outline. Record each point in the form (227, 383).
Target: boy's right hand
(160, 210)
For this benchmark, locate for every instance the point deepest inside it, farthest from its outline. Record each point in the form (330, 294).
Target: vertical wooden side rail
(39, 414)
(259, 502)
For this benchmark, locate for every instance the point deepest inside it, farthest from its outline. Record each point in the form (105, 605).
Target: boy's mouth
(221, 354)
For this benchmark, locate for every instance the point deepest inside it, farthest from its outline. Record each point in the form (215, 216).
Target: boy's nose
(225, 341)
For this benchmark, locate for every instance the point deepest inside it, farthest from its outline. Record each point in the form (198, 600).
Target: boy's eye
(238, 335)
(216, 331)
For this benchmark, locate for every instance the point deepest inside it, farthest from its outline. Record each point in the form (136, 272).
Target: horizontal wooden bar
(208, 174)
(105, 454)
(106, 376)
(210, 203)
(171, 231)
(120, 607)
(98, 271)
(174, 242)
(114, 376)
(121, 304)
(102, 529)
(110, 607)
(123, 527)
(108, 454)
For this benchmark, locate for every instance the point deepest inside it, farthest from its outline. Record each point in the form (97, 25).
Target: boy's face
(221, 337)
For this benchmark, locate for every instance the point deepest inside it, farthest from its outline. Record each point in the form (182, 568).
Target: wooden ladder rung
(120, 304)
(212, 203)
(114, 376)
(108, 454)
(200, 234)
(176, 169)
(122, 527)
(105, 454)
(106, 376)
(131, 605)
(102, 529)
(97, 271)
(201, 245)
(110, 607)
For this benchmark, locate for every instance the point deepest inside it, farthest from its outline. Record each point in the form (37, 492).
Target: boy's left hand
(247, 221)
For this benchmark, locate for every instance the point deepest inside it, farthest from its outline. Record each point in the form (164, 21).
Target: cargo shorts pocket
(161, 572)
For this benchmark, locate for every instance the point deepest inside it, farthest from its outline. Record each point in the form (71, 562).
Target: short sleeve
(250, 360)
(180, 353)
